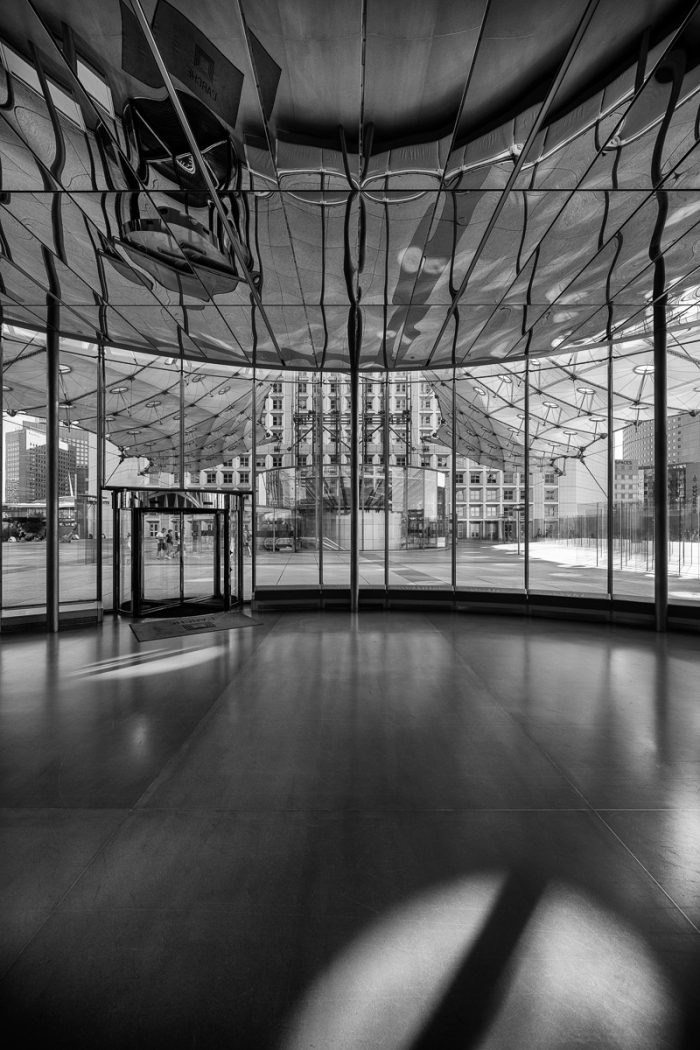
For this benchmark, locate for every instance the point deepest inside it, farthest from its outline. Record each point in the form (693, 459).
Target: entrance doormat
(153, 630)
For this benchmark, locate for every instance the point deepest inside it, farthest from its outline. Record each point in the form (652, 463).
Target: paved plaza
(554, 567)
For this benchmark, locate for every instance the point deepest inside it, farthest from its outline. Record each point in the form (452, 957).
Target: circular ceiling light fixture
(597, 419)
(550, 404)
(586, 390)
(644, 370)
(153, 404)
(118, 389)
(64, 369)
(65, 404)
(480, 390)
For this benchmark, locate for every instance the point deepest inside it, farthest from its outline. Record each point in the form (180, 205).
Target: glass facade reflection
(533, 479)
(414, 356)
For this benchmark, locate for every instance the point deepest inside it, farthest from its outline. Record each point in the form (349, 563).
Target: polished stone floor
(399, 830)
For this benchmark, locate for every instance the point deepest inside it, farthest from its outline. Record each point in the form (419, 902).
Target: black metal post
(354, 488)
(2, 451)
(526, 465)
(611, 472)
(386, 442)
(453, 481)
(254, 498)
(100, 480)
(117, 552)
(52, 488)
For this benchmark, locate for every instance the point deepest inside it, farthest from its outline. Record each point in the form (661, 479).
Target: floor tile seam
(593, 810)
(646, 871)
(367, 812)
(201, 722)
(598, 814)
(57, 904)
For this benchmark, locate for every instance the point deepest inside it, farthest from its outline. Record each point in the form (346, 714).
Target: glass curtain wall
(590, 490)
(632, 529)
(683, 436)
(79, 514)
(489, 421)
(24, 470)
(568, 466)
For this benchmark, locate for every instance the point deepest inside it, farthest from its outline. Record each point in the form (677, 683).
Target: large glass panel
(632, 546)
(568, 407)
(683, 436)
(288, 486)
(25, 462)
(127, 544)
(490, 478)
(419, 456)
(110, 550)
(334, 393)
(372, 519)
(195, 540)
(77, 466)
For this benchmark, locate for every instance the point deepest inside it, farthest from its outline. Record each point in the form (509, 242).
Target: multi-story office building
(25, 465)
(628, 481)
(683, 436)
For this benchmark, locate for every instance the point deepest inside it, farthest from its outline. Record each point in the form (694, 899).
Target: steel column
(675, 66)
(660, 451)
(118, 551)
(453, 480)
(100, 462)
(181, 432)
(227, 552)
(52, 488)
(611, 473)
(2, 449)
(354, 488)
(253, 498)
(526, 466)
(317, 457)
(386, 442)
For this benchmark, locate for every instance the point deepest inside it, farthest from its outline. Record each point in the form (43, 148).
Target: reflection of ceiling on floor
(423, 184)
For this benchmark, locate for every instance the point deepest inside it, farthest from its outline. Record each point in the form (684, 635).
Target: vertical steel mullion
(386, 441)
(318, 459)
(227, 550)
(240, 504)
(526, 465)
(354, 489)
(52, 486)
(181, 567)
(100, 462)
(253, 496)
(136, 557)
(116, 552)
(611, 473)
(2, 449)
(182, 423)
(453, 481)
(660, 464)
(218, 593)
